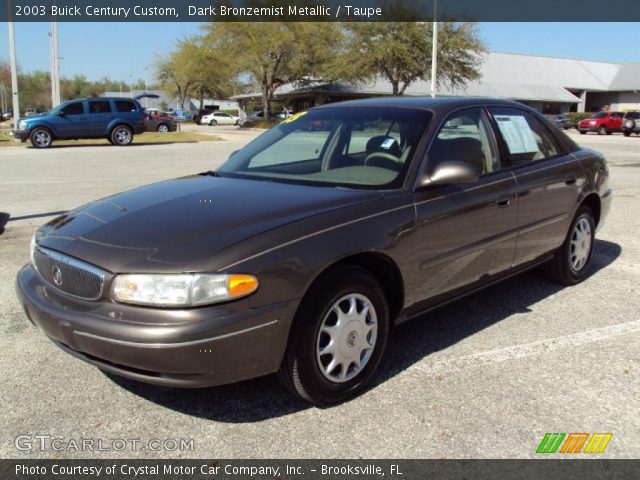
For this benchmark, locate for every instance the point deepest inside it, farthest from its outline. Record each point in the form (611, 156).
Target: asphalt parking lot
(486, 377)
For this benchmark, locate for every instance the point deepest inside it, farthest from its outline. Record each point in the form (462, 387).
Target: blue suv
(113, 118)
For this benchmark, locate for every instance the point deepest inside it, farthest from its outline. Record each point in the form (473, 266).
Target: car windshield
(600, 115)
(360, 147)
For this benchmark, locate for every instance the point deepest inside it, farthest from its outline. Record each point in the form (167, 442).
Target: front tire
(570, 264)
(121, 136)
(41, 137)
(627, 133)
(603, 130)
(337, 339)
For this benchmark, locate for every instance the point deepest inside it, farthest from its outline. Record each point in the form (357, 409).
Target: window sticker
(294, 117)
(517, 133)
(388, 143)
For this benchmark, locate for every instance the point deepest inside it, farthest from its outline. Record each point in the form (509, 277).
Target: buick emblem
(57, 275)
(351, 339)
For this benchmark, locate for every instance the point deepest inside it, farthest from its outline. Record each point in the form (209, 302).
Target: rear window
(125, 106)
(99, 106)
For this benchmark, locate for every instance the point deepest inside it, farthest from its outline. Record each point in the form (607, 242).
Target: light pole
(3, 99)
(434, 51)
(146, 99)
(55, 68)
(131, 85)
(14, 68)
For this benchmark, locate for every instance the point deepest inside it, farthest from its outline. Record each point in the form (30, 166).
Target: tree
(193, 68)
(401, 53)
(273, 53)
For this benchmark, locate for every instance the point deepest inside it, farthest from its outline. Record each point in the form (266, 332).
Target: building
(165, 101)
(549, 84)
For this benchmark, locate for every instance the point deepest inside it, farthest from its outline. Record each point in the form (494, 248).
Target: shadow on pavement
(263, 398)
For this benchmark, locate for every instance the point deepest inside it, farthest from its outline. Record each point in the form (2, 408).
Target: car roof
(427, 103)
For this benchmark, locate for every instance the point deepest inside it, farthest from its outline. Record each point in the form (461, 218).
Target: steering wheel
(384, 155)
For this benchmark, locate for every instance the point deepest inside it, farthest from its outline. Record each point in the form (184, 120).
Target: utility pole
(3, 98)
(55, 68)
(14, 68)
(434, 51)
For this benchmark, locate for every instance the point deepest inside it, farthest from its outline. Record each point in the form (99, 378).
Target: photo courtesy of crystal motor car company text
(229, 221)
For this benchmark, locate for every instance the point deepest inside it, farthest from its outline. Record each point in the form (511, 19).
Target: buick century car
(303, 250)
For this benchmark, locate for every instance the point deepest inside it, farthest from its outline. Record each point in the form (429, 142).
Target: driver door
(465, 232)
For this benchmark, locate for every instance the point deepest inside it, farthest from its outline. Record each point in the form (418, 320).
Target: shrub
(575, 117)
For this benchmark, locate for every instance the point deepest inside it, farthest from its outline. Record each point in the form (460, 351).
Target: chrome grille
(69, 275)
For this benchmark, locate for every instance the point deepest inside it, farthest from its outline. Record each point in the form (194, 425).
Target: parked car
(114, 118)
(30, 112)
(604, 123)
(310, 246)
(159, 122)
(560, 120)
(219, 118)
(198, 116)
(631, 123)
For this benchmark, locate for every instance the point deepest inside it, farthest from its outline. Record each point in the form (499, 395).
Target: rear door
(99, 117)
(465, 232)
(547, 180)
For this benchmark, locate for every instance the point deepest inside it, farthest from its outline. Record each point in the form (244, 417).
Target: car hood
(176, 225)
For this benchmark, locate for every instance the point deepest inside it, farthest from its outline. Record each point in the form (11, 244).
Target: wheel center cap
(352, 338)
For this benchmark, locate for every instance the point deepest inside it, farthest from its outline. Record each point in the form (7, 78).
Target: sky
(122, 51)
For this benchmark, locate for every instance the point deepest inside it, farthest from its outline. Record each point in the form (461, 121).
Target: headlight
(593, 122)
(22, 125)
(181, 290)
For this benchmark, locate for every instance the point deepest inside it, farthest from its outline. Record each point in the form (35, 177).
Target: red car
(605, 123)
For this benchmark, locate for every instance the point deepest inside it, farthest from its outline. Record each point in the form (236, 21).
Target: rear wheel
(571, 262)
(41, 137)
(627, 133)
(163, 128)
(212, 123)
(121, 136)
(338, 337)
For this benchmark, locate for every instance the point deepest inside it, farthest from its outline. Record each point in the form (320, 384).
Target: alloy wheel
(41, 138)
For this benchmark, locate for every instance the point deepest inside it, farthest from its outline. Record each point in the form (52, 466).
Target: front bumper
(22, 135)
(195, 347)
(588, 128)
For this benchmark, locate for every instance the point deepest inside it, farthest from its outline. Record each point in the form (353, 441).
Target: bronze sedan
(300, 252)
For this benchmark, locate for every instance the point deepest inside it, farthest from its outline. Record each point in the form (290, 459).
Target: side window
(125, 106)
(74, 108)
(525, 137)
(99, 106)
(465, 137)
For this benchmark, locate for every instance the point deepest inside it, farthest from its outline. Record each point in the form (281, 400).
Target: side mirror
(450, 173)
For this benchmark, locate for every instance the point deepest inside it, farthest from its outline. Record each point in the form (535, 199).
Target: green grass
(146, 138)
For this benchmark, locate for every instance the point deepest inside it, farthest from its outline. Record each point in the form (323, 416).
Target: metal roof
(504, 75)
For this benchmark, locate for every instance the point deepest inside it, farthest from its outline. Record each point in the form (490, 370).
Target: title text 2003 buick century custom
(300, 252)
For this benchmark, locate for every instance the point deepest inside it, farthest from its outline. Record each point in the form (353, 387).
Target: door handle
(503, 202)
(570, 180)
